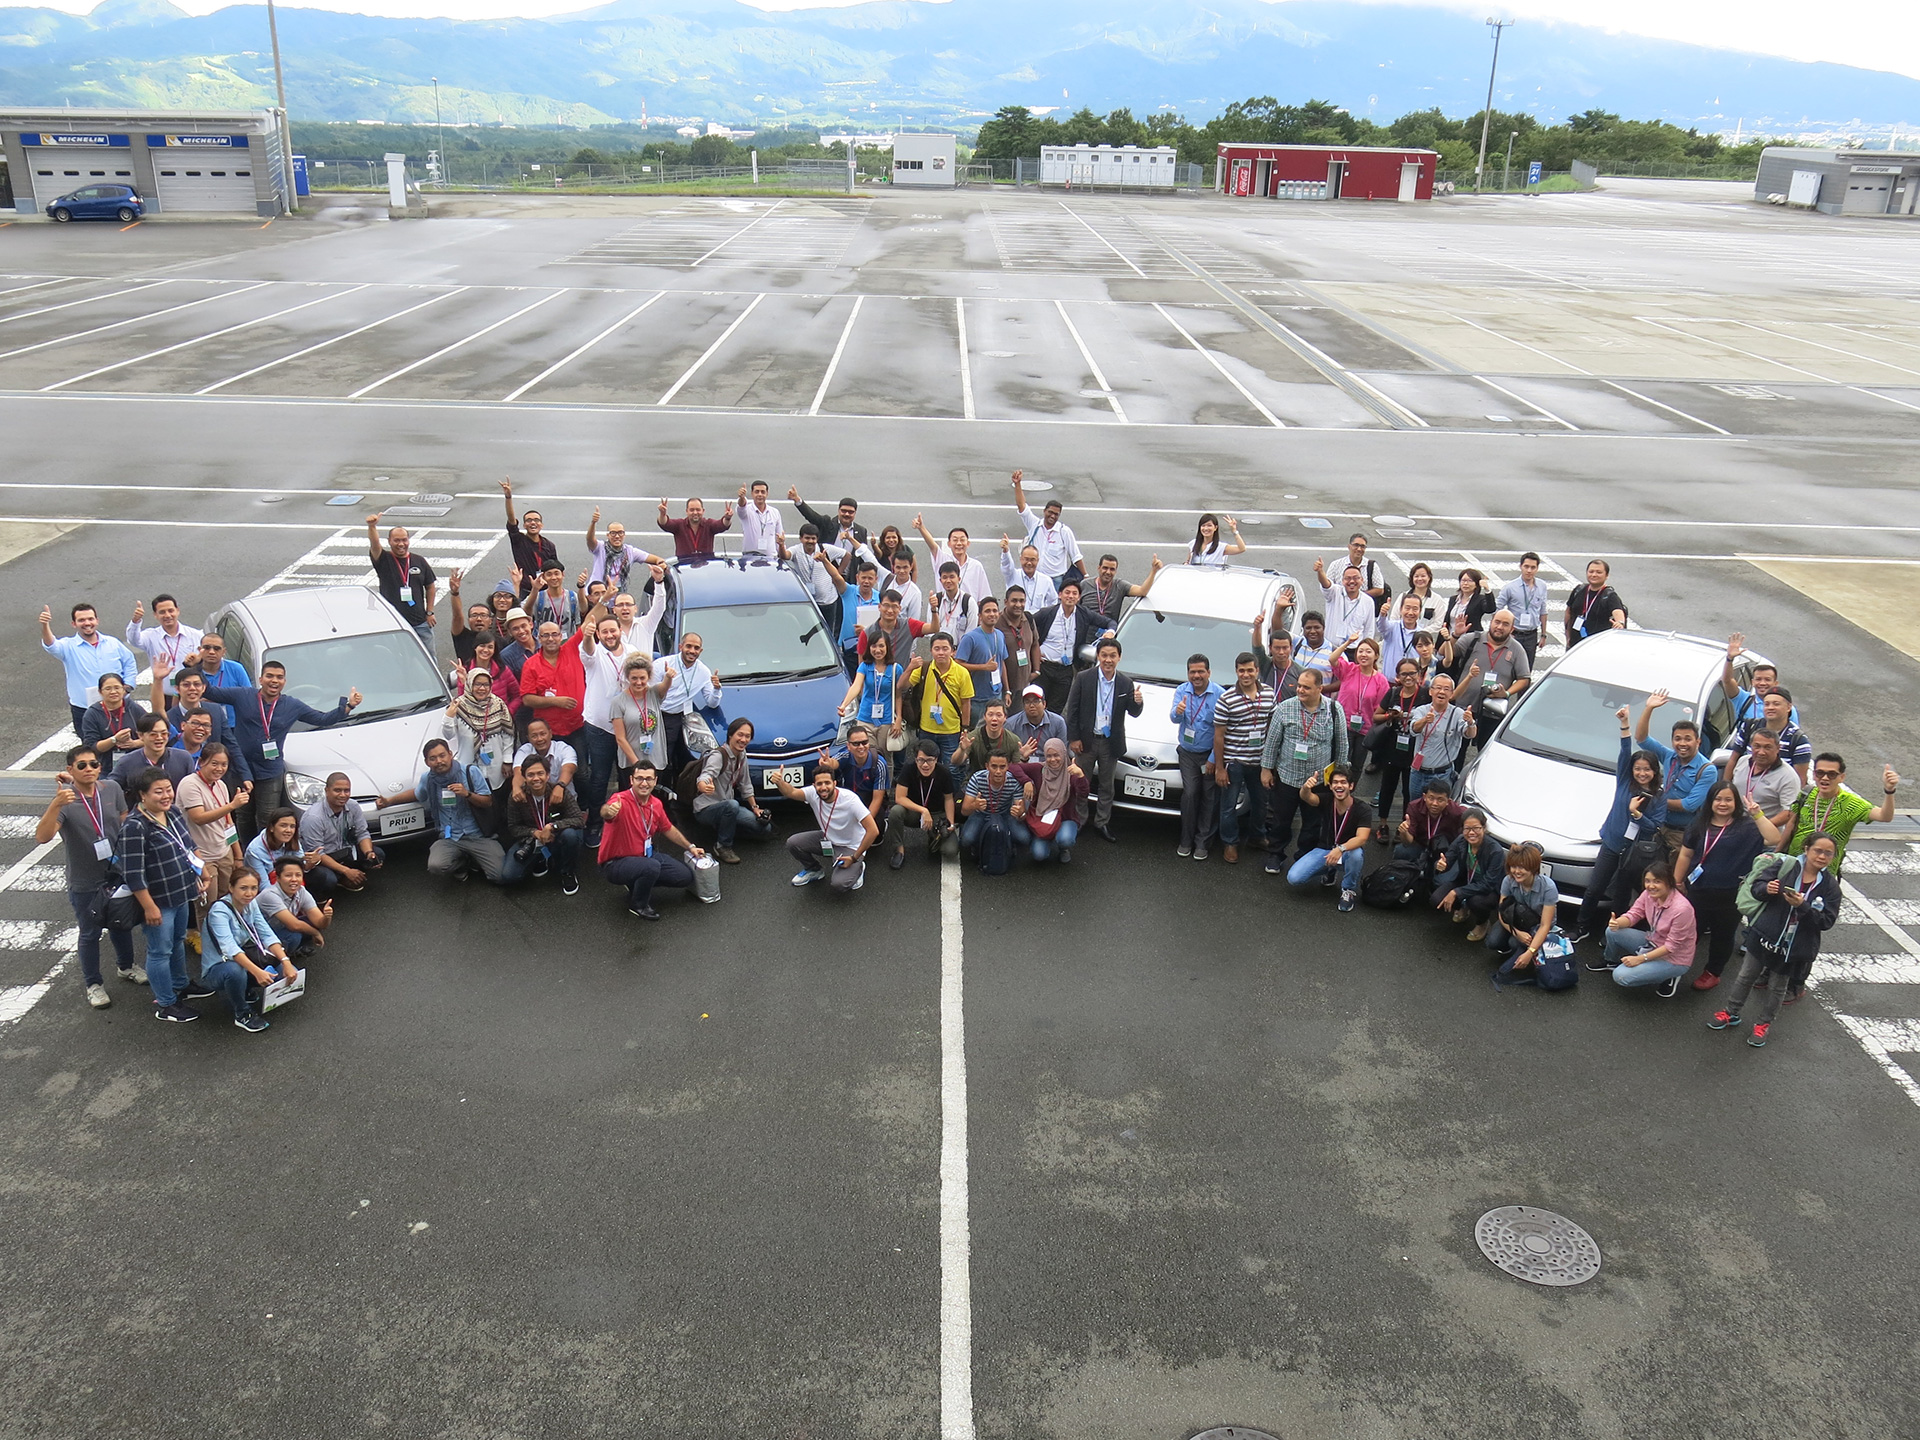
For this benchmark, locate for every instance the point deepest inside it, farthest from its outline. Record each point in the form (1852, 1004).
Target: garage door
(56, 172)
(219, 185)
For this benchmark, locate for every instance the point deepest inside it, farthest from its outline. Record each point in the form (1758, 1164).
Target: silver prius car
(1547, 772)
(1191, 610)
(333, 640)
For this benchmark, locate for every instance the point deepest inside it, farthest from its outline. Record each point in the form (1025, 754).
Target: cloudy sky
(1773, 27)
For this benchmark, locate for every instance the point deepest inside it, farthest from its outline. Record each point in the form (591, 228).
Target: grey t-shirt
(85, 870)
(1501, 662)
(649, 745)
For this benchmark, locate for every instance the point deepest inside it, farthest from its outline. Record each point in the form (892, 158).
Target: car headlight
(303, 790)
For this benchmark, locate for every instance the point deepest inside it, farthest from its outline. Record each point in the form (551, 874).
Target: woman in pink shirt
(1361, 687)
(1652, 944)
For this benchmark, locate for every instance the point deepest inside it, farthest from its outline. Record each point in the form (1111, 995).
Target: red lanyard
(114, 717)
(1585, 610)
(1672, 765)
(173, 649)
(95, 813)
(1712, 838)
(266, 714)
(1307, 717)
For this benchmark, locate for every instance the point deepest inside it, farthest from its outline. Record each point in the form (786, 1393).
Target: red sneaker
(1706, 981)
(1759, 1036)
(1723, 1020)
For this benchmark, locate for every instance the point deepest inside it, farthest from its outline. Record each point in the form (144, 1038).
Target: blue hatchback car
(99, 202)
(769, 646)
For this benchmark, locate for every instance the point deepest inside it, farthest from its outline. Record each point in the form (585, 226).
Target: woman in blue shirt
(873, 697)
(240, 945)
(1639, 808)
(276, 841)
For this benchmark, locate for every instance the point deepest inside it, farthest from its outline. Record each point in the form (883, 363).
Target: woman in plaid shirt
(158, 863)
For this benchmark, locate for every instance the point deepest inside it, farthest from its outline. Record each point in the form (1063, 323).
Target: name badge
(1189, 732)
(937, 715)
(879, 709)
(995, 680)
(406, 594)
(649, 850)
(1633, 828)
(103, 849)
(1693, 875)
(1301, 750)
(198, 867)
(1403, 742)
(270, 750)
(1020, 657)
(486, 758)
(1100, 730)
(231, 837)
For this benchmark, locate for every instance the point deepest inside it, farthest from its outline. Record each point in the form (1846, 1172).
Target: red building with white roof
(1325, 172)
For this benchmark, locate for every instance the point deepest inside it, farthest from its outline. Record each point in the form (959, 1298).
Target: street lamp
(439, 131)
(1506, 174)
(286, 125)
(1486, 118)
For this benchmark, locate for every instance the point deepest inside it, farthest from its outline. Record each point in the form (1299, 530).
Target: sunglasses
(86, 764)
(1826, 774)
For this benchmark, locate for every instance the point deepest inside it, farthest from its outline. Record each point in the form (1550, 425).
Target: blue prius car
(99, 202)
(769, 645)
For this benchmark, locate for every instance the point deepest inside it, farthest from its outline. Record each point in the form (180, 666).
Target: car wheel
(127, 215)
(62, 214)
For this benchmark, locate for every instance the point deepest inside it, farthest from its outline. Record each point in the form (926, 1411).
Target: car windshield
(390, 670)
(783, 641)
(1569, 718)
(1154, 645)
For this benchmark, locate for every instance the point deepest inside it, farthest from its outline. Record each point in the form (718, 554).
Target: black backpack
(1391, 886)
(996, 847)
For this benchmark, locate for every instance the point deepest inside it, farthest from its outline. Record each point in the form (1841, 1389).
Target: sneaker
(1795, 998)
(1184, 852)
(1383, 838)
(252, 1024)
(805, 877)
(1761, 983)
(1329, 880)
(539, 870)
(897, 859)
(134, 975)
(1598, 966)
(197, 991)
(1479, 932)
(1724, 1020)
(725, 855)
(98, 998)
(1667, 989)
(1346, 900)
(569, 884)
(1580, 937)
(1705, 981)
(1066, 856)
(1275, 865)
(1200, 853)
(179, 1014)
(1759, 1036)
(859, 879)
(643, 912)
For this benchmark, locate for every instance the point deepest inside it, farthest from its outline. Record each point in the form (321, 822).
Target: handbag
(697, 735)
(114, 905)
(706, 879)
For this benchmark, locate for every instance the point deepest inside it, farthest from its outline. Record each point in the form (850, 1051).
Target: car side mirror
(1720, 757)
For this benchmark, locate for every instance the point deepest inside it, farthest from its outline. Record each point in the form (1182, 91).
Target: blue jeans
(1243, 784)
(167, 953)
(563, 855)
(90, 928)
(641, 873)
(1417, 783)
(1061, 839)
(231, 979)
(1308, 869)
(1622, 943)
(599, 755)
(728, 818)
(948, 744)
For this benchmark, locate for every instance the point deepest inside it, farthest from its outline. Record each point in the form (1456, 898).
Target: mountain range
(890, 62)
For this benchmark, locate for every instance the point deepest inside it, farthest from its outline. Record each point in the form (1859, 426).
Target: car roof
(1233, 593)
(730, 580)
(292, 617)
(1647, 660)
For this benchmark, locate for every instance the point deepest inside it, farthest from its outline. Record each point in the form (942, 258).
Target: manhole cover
(429, 497)
(1393, 522)
(1233, 1432)
(1539, 1246)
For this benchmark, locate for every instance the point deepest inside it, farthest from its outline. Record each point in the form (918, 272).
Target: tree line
(1598, 137)
(557, 148)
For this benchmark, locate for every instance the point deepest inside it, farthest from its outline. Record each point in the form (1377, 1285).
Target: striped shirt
(1243, 720)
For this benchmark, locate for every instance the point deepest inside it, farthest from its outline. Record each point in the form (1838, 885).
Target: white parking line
(1900, 969)
(956, 1244)
(1530, 404)
(562, 364)
(1661, 404)
(966, 364)
(1873, 1036)
(1225, 374)
(1087, 355)
(695, 265)
(36, 284)
(1101, 238)
(373, 325)
(1735, 349)
(839, 349)
(1489, 330)
(132, 320)
(694, 368)
(1850, 354)
(449, 349)
(90, 300)
(196, 340)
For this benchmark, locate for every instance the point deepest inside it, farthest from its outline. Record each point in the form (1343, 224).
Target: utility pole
(1486, 117)
(440, 131)
(1506, 174)
(286, 125)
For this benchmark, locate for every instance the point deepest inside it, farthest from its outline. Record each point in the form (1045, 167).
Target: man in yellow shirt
(945, 693)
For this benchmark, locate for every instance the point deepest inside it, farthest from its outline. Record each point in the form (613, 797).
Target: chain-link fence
(636, 177)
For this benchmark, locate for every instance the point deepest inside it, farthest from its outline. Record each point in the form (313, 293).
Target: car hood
(805, 712)
(1153, 735)
(1530, 797)
(381, 757)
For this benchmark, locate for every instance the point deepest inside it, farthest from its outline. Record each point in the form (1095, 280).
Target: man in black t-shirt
(922, 801)
(1339, 850)
(1595, 606)
(406, 581)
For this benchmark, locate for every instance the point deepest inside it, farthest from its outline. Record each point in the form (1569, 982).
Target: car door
(84, 202)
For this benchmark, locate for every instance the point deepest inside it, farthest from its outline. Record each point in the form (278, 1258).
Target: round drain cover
(1539, 1246)
(1233, 1432)
(428, 497)
(1393, 522)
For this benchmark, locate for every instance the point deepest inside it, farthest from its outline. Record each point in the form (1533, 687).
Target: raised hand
(1736, 645)
(1656, 699)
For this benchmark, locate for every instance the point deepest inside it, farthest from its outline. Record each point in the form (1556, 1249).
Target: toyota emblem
(779, 742)
(1147, 762)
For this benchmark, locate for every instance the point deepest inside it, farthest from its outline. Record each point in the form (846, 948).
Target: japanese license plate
(1142, 788)
(795, 775)
(402, 822)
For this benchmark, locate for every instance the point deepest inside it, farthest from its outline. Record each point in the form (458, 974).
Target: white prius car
(333, 640)
(1191, 610)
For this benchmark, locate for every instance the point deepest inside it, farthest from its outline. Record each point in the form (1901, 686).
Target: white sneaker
(135, 975)
(859, 879)
(805, 877)
(98, 998)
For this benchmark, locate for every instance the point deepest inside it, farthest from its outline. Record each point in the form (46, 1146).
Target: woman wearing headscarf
(1056, 796)
(479, 729)
(486, 656)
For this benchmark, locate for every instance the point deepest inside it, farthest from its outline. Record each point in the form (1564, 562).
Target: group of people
(973, 722)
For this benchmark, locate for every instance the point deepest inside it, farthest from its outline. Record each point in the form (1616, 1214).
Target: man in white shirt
(760, 528)
(954, 610)
(1349, 609)
(685, 685)
(844, 830)
(166, 644)
(1059, 550)
(637, 630)
(1040, 588)
(913, 604)
(603, 657)
(1527, 599)
(973, 575)
(562, 760)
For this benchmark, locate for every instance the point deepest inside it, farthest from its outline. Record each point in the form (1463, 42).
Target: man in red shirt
(635, 821)
(693, 536)
(553, 682)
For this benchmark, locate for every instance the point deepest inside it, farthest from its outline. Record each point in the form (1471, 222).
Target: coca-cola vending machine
(1243, 177)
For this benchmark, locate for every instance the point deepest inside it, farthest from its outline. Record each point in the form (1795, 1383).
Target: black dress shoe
(1105, 832)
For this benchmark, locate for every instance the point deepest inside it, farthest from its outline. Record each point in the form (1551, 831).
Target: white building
(926, 160)
(1131, 165)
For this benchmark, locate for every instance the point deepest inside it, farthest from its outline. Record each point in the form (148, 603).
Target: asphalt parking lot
(1122, 1150)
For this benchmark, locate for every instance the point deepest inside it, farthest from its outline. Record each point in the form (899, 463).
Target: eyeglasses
(86, 764)
(1826, 774)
